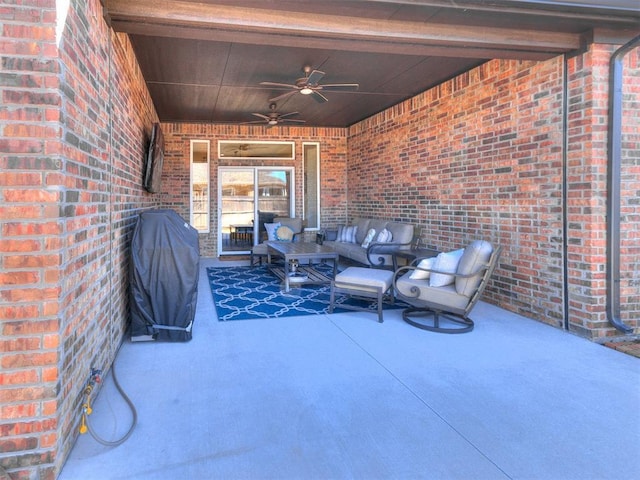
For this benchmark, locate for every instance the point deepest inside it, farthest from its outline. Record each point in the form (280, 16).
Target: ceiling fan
(274, 118)
(309, 85)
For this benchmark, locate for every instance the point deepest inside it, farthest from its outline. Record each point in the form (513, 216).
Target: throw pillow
(347, 234)
(384, 236)
(445, 262)
(369, 238)
(426, 263)
(271, 230)
(284, 233)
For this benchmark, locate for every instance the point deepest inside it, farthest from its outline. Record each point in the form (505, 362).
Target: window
(243, 149)
(199, 215)
(311, 185)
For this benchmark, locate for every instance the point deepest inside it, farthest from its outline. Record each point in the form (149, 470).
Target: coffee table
(304, 253)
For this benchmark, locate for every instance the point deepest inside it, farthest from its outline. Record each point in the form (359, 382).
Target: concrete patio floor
(344, 397)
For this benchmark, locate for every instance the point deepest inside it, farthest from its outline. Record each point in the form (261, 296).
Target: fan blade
(253, 122)
(292, 120)
(315, 77)
(284, 95)
(274, 84)
(341, 86)
(318, 97)
(288, 114)
(261, 116)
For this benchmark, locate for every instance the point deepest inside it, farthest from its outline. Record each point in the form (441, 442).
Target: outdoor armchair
(282, 229)
(442, 290)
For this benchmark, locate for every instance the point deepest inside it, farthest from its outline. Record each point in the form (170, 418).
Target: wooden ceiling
(204, 60)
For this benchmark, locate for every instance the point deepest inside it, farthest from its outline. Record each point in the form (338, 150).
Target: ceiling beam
(616, 11)
(363, 46)
(205, 21)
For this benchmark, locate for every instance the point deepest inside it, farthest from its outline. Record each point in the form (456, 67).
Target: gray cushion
(378, 226)
(477, 254)
(366, 279)
(363, 228)
(402, 232)
(294, 224)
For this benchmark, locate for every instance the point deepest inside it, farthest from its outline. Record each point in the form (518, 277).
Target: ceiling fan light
(273, 122)
(306, 91)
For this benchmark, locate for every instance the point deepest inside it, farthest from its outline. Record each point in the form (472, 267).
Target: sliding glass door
(248, 198)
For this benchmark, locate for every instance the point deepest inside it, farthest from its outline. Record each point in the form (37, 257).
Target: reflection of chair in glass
(264, 218)
(444, 289)
(282, 229)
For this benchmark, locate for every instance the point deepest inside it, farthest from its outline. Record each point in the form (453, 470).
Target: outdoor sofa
(370, 242)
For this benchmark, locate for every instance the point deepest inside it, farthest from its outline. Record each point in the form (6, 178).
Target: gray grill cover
(165, 258)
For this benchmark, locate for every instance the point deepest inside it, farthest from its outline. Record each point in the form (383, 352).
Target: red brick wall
(68, 203)
(478, 156)
(30, 175)
(481, 156)
(175, 178)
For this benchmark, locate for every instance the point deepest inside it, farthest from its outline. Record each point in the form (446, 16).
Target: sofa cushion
(294, 224)
(378, 226)
(363, 228)
(446, 295)
(445, 262)
(402, 232)
(364, 279)
(352, 251)
(477, 254)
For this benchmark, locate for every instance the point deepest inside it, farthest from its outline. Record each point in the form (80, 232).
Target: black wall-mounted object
(155, 159)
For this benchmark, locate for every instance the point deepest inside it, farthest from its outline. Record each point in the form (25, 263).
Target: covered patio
(343, 396)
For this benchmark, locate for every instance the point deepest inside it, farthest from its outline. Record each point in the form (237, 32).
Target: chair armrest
(384, 248)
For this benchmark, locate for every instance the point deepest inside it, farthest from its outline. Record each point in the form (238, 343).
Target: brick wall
(74, 119)
(175, 178)
(478, 156)
(30, 175)
(481, 156)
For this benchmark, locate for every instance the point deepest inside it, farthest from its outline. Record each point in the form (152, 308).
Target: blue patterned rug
(243, 293)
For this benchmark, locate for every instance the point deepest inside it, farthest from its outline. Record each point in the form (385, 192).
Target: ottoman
(362, 282)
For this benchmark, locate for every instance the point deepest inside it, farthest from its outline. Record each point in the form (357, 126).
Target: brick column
(30, 189)
(75, 119)
(588, 76)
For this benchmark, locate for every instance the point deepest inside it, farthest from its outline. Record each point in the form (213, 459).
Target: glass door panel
(237, 188)
(274, 198)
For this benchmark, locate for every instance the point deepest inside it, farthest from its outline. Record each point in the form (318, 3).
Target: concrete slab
(343, 396)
